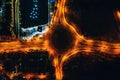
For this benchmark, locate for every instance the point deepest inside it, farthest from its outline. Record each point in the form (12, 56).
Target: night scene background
(95, 19)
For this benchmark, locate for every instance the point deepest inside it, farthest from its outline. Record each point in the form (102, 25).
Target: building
(25, 19)
(30, 16)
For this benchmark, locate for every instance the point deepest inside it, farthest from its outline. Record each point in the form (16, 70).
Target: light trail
(17, 45)
(117, 15)
(80, 44)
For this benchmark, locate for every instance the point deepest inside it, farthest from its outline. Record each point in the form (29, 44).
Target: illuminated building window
(33, 13)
